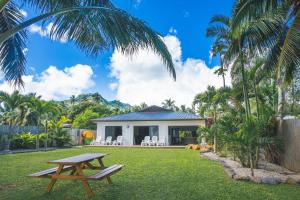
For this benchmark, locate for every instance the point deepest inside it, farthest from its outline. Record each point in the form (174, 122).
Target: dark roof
(152, 113)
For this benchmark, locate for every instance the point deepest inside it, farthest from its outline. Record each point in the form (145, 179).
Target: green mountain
(96, 97)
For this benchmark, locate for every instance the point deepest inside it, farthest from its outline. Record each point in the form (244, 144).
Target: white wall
(127, 127)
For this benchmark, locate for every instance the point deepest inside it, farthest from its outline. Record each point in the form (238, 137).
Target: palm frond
(93, 32)
(247, 10)
(94, 28)
(12, 58)
(290, 51)
(221, 19)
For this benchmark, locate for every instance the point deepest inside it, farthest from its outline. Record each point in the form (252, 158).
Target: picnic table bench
(75, 165)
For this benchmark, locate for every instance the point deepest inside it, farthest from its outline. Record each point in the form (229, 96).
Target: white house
(176, 128)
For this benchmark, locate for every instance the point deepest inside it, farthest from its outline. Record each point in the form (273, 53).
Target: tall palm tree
(9, 106)
(93, 25)
(220, 29)
(72, 99)
(169, 104)
(277, 32)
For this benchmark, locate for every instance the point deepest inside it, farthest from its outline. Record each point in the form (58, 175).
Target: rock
(255, 179)
(240, 178)
(290, 181)
(270, 180)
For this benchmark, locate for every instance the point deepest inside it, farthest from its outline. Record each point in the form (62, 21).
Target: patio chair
(119, 140)
(146, 141)
(154, 141)
(161, 142)
(97, 141)
(108, 140)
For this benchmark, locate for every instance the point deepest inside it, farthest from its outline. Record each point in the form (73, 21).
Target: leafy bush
(23, 141)
(61, 137)
(57, 133)
(83, 120)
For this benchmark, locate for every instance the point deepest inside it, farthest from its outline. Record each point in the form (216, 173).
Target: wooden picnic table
(76, 164)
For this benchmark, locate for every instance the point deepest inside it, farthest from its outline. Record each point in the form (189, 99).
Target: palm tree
(10, 104)
(169, 104)
(93, 25)
(72, 99)
(277, 31)
(220, 30)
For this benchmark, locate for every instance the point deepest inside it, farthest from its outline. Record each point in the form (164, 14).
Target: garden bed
(267, 173)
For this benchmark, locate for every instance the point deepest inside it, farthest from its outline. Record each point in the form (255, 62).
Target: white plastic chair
(154, 141)
(97, 141)
(161, 142)
(108, 140)
(146, 141)
(119, 140)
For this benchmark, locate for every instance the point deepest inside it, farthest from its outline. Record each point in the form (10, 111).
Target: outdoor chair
(108, 140)
(154, 141)
(161, 142)
(146, 141)
(97, 141)
(119, 140)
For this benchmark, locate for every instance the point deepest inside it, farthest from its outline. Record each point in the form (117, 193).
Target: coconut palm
(220, 29)
(169, 104)
(278, 32)
(93, 25)
(9, 107)
(72, 99)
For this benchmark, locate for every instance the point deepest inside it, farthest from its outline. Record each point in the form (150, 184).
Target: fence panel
(6, 129)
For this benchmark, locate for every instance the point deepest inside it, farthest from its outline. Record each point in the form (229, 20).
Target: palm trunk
(251, 161)
(256, 99)
(223, 76)
(281, 100)
(245, 90)
(223, 73)
(293, 98)
(215, 134)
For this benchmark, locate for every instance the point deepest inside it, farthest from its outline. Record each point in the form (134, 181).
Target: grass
(148, 174)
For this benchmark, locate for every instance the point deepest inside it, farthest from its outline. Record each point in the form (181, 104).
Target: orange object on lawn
(88, 134)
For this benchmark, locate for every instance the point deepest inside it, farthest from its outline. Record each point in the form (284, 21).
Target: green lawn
(148, 174)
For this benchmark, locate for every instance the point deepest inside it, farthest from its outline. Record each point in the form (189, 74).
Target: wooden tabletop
(78, 159)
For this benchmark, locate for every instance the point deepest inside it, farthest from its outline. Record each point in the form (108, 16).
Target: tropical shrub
(23, 141)
(83, 120)
(59, 135)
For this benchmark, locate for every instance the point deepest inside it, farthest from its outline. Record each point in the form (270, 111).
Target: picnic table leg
(84, 182)
(53, 180)
(102, 167)
(73, 171)
(101, 163)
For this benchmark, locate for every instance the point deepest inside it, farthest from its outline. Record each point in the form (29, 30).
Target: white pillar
(164, 132)
(127, 132)
(101, 131)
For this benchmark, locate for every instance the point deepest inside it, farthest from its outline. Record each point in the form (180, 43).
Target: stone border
(267, 173)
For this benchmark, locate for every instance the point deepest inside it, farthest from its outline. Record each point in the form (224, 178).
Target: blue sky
(189, 18)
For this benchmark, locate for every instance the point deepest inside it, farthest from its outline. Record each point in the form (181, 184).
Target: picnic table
(75, 165)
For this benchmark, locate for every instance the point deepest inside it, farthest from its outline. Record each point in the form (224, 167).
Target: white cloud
(186, 14)
(172, 30)
(45, 32)
(24, 13)
(57, 84)
(137, 3)
(144, 78)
